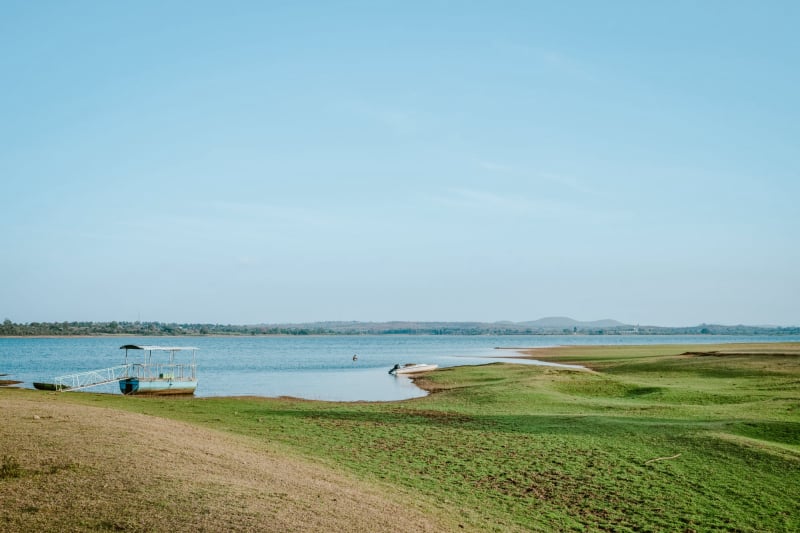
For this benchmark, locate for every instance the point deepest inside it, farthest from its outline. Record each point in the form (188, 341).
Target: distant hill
(566, 322)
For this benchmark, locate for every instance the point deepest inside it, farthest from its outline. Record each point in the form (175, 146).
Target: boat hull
(49, 386)
(415, 369)
(156, 387)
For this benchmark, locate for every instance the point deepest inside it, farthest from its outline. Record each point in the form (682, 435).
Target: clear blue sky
(241, 162)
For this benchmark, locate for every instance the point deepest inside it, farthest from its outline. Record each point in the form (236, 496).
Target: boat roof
(161, 348)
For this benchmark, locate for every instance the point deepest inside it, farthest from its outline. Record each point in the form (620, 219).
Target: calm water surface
(311, 367)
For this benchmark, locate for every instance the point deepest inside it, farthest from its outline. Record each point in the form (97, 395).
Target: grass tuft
(10, 468)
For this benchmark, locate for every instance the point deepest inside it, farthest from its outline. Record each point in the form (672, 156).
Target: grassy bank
(654, 438)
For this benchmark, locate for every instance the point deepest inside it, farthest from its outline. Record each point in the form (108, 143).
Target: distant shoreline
(420, 334)
(554, 326)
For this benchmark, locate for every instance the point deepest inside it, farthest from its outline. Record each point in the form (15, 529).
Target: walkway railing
(83, 380)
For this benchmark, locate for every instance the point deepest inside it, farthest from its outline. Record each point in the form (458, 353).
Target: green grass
(502, 447)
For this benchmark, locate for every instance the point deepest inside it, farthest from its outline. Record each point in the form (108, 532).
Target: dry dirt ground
(66, 467)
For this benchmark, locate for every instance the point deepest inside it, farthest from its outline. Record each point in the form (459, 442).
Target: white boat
(155, 377)
(412, 368)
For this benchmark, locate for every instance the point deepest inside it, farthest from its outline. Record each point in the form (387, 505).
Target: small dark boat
(48, 386)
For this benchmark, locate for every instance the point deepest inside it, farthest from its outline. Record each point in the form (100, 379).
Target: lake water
(313, 367)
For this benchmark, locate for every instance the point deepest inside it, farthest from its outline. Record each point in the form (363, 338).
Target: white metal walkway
(92, 378)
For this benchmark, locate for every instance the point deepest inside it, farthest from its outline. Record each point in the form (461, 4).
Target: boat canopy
(160, 348)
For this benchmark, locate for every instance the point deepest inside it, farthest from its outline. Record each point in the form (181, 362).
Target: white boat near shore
(149, 377)
(412, 368)
(152, 377)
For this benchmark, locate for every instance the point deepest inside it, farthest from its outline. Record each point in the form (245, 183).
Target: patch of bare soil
(69, 467)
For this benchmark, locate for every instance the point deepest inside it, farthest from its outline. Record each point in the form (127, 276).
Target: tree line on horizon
(147, 329)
